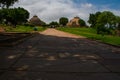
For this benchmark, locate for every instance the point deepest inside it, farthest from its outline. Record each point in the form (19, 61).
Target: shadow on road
(46, 57)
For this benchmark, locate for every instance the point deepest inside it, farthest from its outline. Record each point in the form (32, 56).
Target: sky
(52, 10)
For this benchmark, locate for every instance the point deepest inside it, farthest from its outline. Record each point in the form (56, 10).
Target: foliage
(104, 22)
(108, 19)
(82, 23)
(63, 21)
(102, 30)
(91, 34)
(93, 19)
(54, 24)
(14, 16)
(118, 22)
(7, 3)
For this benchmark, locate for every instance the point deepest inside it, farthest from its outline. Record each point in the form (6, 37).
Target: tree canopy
(7, 3)
(105, 22)
(118, 22)
(107, 19)
(14, 16)
(93, 19)
(63, 21)
(54, 24)
(82, 23)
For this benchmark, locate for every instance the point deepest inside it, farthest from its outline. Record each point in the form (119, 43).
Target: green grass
(91, 34)
(22, 29)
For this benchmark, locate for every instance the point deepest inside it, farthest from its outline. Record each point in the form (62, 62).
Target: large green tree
(82, 23)
(7, 3)
(118, 26)
(106, 22)
(14, 16)
(107, 18)
(93, 19)
(118, 22)
(63, 21)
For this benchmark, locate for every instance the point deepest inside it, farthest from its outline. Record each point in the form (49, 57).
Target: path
(48, 56)
(54, 32)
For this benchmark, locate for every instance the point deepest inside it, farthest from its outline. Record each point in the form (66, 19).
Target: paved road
(48, 56)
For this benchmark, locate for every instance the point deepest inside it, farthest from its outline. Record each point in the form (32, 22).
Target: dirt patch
(54, 32)
(2, 30)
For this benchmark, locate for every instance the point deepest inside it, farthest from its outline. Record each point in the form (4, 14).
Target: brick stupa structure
(36, 21)
(74, 22)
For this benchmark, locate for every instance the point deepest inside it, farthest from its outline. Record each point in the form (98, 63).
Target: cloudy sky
(52, 10)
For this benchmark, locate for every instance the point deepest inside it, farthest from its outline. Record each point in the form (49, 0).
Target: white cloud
(52, 10)
(86, 5)
(116, 12)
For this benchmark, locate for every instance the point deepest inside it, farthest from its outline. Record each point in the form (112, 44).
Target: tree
(118, 22)
(7, 3)
(107, 21)
(14, 16)
(54, 24)
(63, 21)
(82, 23)
(117, 30)
(1, 17)
(93, 19)
(102, 30)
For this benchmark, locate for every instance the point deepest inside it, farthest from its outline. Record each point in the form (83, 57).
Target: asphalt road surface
(56, 55)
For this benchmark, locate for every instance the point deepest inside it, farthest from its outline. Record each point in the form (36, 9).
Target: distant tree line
(63, 22)
(104, 22)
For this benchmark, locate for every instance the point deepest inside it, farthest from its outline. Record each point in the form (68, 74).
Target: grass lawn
(91, 34)
(23, 29)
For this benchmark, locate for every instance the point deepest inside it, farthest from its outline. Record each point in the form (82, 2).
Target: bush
(31, 25)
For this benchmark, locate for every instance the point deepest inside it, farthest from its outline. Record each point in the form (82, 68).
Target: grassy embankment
(22, 29)
(91, 34)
